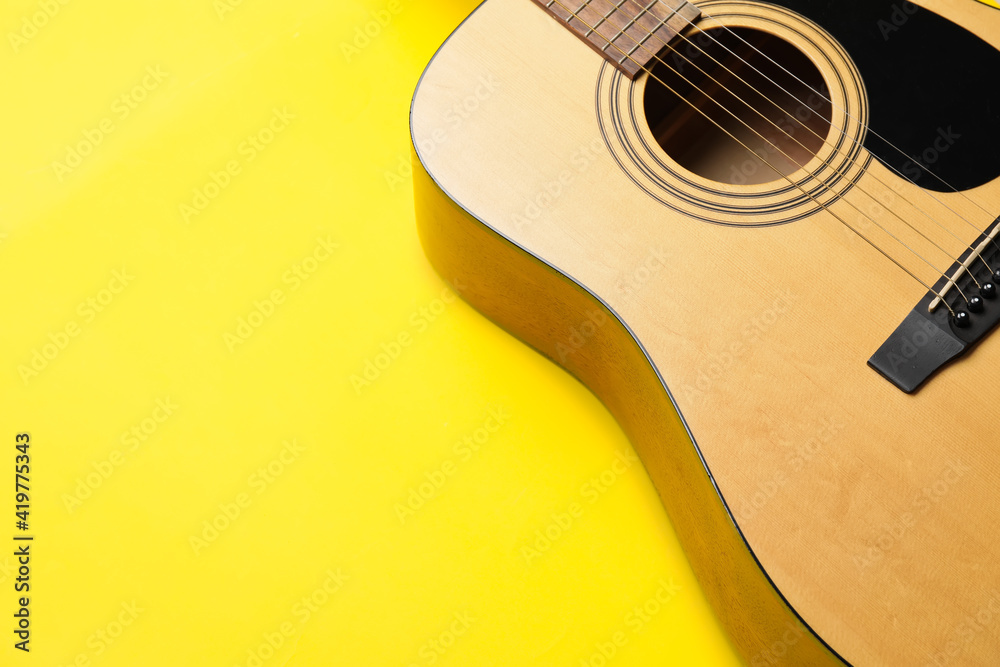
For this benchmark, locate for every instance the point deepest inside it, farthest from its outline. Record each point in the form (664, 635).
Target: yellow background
(118, 301)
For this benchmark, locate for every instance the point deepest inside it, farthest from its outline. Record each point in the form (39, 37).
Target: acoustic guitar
(765, 236)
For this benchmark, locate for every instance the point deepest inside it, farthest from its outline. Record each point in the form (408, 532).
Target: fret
(628, 25)
(664, 21)
(626, 33)
(642, 43)
(604, 18)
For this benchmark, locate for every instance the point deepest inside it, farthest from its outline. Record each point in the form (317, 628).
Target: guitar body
(726, 320)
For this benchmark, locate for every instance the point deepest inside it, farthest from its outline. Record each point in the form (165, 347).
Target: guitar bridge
(933, 335)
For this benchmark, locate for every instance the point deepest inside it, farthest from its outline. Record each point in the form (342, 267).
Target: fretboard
(628, 33)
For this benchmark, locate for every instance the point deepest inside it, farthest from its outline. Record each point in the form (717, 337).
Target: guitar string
(790, 134)
(634, 21)
(575, 15)
(898, 172)
(867, 128)
(777, 172)
(796, 119)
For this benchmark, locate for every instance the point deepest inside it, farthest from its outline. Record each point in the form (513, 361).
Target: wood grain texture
(627, 34)
(522, 293)
(870, 511)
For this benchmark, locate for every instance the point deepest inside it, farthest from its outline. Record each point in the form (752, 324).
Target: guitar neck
(627, 33)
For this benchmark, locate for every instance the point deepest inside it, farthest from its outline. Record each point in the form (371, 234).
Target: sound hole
(779, 112)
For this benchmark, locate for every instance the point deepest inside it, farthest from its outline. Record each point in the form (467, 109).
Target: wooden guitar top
(829, 515)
